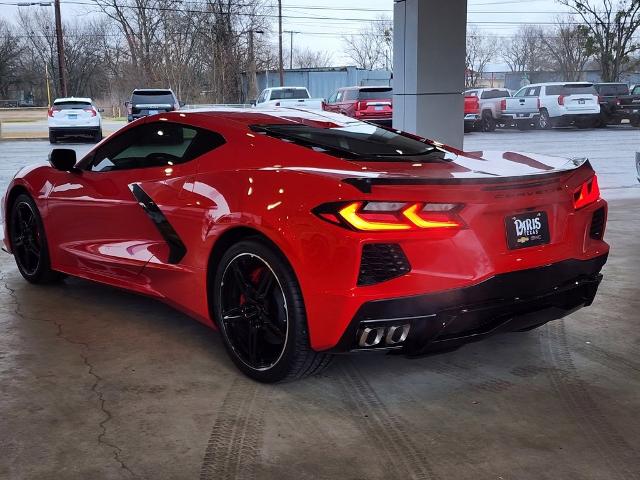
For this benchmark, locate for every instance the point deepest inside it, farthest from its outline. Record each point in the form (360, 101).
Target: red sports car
(302, 234)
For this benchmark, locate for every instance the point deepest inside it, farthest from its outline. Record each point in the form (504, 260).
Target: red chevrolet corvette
(300, 234)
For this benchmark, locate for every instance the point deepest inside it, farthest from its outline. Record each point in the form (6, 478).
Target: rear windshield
(70, 105)
(612, 90)
(495, 94)
(289, 93)
(636, 90)
(360, 140)
(375, 94)
(153, 97)
(576, 89)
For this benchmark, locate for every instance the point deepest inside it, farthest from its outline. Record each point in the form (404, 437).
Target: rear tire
(97, 136)
(264, 328)
(544, 120)
(52, 137)
(29, 242)
(487, 123)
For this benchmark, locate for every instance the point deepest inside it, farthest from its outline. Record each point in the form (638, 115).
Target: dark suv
(149, 101)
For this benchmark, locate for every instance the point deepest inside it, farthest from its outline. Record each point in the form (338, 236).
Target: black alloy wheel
(259, 309)
(254, 311)
(29, 243)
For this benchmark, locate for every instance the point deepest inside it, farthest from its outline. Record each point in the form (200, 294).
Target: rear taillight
(503, 104)
(392, 216)
(50, 112)
(561, 100)
(92, 111)
(176, 106)
(361, 105)
(130, 108)
(588, 193)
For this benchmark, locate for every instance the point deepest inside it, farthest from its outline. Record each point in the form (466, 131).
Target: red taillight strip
(588, 193)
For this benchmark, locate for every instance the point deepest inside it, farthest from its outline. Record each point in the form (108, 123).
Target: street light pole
(280, 43)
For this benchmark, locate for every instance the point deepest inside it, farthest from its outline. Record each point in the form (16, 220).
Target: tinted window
(163, 97)
(495, 94)
(71, 105)
(612, 90)
(286, 93)
(158, 144)
(569, 89)
(359, 140)
(375, 94)
(636, 90)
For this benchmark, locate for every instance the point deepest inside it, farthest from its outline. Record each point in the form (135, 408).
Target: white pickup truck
(288, 97)
(498, 107)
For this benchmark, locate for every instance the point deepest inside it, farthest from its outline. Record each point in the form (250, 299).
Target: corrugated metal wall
(321, 82)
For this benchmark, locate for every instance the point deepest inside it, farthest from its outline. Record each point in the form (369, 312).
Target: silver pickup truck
(498, 107)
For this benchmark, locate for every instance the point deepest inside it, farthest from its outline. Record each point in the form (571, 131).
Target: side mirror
(101, 110)
(253, 102)
(324, 104)
(63, 159)
(182, 104)
(127, 103)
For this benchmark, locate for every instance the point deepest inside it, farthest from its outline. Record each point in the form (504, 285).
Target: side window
(156, 144)
(339, 96)
(332, 98)
(262, 98)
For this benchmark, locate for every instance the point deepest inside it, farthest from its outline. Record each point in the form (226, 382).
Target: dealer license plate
(72, 116)
(153, 112)
(527, 230)
(378, 108)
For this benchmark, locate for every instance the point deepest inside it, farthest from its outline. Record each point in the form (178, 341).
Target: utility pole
(290, 32)
(60, 45)
(252, 87)
(280, 43)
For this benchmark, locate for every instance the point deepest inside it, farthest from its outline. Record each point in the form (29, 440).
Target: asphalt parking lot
(98, 383)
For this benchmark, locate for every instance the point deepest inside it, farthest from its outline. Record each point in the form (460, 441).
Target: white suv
(564, 103)
(74, 116)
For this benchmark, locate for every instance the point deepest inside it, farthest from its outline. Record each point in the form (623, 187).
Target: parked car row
(548, 105)
(542, 105)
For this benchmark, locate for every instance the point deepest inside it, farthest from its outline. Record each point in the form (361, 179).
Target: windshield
(571, 89)
(71, 105)
(151, 97)
(375, 94)
(359, 140)
(487, 94)
(286, 93)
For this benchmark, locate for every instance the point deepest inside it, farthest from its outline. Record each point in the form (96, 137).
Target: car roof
(276, 115)
(72, 99)
(549, 84)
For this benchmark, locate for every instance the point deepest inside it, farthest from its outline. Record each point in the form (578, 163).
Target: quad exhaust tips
(383, 336)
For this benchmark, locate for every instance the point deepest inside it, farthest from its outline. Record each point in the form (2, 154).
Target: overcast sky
(495, 17)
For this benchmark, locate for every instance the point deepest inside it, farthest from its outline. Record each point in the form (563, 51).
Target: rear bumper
(506, 302)
(571, 118)
(76, 130)
(519, 117)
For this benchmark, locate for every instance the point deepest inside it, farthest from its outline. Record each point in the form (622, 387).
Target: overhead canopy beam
(429, 49)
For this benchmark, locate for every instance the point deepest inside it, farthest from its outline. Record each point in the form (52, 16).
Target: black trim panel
(177, 249)
(506, 302)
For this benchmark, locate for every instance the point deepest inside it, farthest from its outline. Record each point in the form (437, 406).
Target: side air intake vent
(381, 262)
(597, 224)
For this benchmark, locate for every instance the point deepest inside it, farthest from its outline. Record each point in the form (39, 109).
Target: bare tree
(525, 51)
(567, 46)
(373, 47)
(611, 29)
(10, 50)
(481, 49)
(308, 58)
